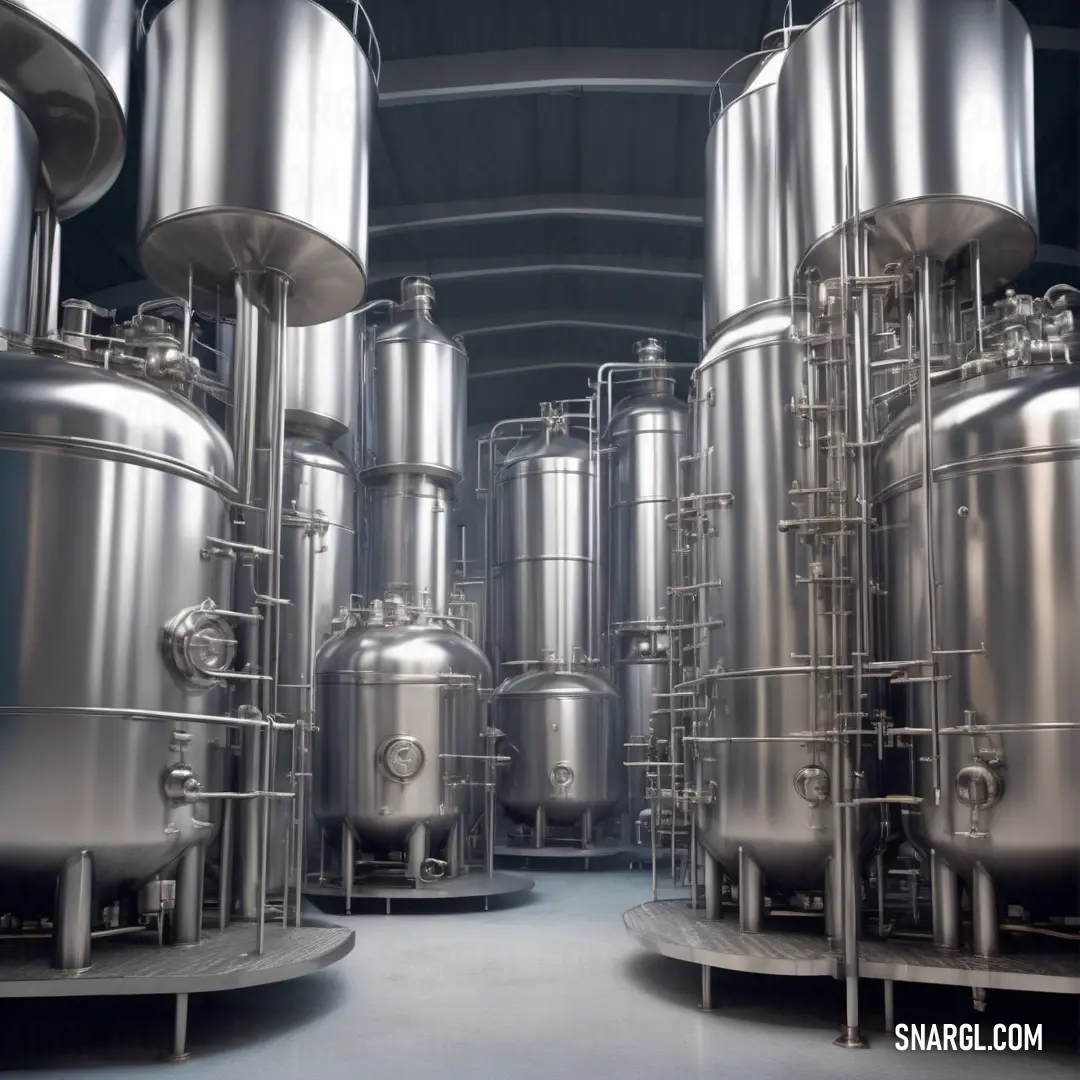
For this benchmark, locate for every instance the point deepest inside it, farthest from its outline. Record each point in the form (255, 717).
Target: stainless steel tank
(19, 152)
(743, 266)
(416, 450)
(563, 734)
(112, 488)
(943, 124)
(67, 64)
(291, 196)
(544, 560)
(1006, 470)
(318, 555)
(322, 378)
(398, 698)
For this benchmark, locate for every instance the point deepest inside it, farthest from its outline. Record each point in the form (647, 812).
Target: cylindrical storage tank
(420, 385)
(317, 574)
(563, 734)
(322, 378)
(67, 64)
(1007, 469)
(291, 195)
(643, 679)
(392, 698)
(754, 608)
(647, 436)
(744, 266)
(944, 128)
(544, 562)
(408, 521)
(113, 488)
(19, 152)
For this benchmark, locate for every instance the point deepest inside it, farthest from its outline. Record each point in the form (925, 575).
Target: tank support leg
(751, 894)
(348, 865)
(249, 847)
(945, 898)
(984, 914)
(417, 853)
(225, 875)
(539, 828)
(322, 856)
(834, 903)
(180, 1016)
(890, 1005)
(713, 883)
(587, 830)
(453, 850)
(706, 988)
(187, 918)
(74, 913)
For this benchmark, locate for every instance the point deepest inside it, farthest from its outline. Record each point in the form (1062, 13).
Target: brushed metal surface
(543, 553)
(744, 255)
(19, 153)
(647, 434)
(753, 449)
(322, 378)
(960, 75)
(552, 718)
(102, 547)
(290, 193)
(1008, 572)
(377, 682)
(316, 481)
(642, 677)
(408, 522)
(67, 63)
(420, 385)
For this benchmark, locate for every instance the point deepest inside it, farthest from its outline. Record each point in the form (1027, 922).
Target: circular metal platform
(136, 964)
(474, 885)
(559, 852)
(672, 928)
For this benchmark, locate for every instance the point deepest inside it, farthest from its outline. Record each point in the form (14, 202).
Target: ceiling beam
(428, 79)
(644, 210)
(448, 270)
(517, 322)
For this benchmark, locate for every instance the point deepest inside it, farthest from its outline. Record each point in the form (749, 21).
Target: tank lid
(418, 294)
(650, 351)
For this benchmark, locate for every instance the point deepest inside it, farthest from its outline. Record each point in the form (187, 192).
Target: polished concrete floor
(549, 989)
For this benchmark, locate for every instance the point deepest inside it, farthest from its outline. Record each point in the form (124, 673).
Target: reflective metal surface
(408, 522)
(420, 383)
(19, 153)
(111, 495)
(381, 685)
(756, 612)
(744, 259)
(292, 195)
(1006, 473)
(960, 74)
(318, 553)
(647, 434)
(67, 63)
(543, 561)
(643, 679)
(322, 378)
(564, 736)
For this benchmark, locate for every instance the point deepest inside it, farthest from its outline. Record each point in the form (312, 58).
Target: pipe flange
(200, 646)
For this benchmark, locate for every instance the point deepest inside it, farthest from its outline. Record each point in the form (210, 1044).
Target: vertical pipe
(74, 914)
(926, 339)
(712, 887)
(587, 829)
(348, 865)
(187, 916)
(244, 368)
(539, 828)
(225, 875)
(180, 1023)
(975, 262)
(652, 844)
(453, 849)
(751, 894)
(305, 724)
(44, 299)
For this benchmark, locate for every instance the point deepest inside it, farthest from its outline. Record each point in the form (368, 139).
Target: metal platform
(672, 928)
(569, 852)
(471, 885)
(136, 964)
